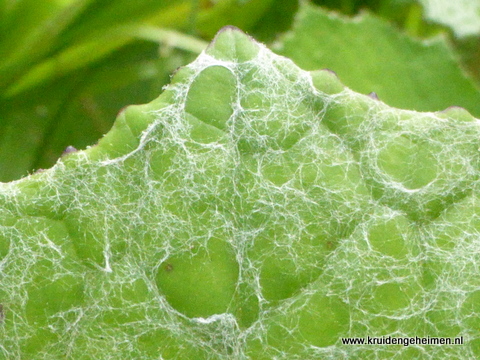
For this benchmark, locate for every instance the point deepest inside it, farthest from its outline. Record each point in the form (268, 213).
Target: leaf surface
(253, 210)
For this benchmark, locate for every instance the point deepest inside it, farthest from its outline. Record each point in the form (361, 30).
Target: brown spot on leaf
(168, 267)
(330, 71)
(330, 245)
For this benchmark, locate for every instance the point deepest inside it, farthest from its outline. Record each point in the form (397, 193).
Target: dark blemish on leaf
(453, 107)
(374, 95)
(122, 110)
(69, 150)
(208, 4)
(456, 113)
(330, 71)
(168, 267)
(330, 245)
(2, 314)
(174, 72)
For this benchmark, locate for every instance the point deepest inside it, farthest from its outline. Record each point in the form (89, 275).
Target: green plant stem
(92, 50)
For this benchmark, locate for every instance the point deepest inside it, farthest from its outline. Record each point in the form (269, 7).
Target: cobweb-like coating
(252, 211)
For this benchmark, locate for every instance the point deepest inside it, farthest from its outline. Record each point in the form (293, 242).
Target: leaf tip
(330, 71)
(456, 112)
(326, 81)
(69, 150)
(232, 44)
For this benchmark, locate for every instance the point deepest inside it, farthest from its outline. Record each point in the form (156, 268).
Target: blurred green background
(67, 67)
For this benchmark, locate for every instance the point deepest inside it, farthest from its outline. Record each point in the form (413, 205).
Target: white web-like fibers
(278, 183)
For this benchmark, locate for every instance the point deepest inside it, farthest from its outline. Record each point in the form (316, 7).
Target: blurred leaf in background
(462, 16)
(425, 19)
(371, 55)
(67, 67)
(58, 58)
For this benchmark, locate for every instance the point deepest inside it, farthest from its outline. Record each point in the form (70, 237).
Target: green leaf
(90, 51)
(369, 55)
(55, 70)
(244, 14)
(31, 30)
(253, 210)
(78, 109)
(276, 20)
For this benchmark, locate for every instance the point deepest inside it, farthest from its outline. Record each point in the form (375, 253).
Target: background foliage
(68, 66)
